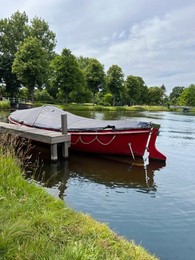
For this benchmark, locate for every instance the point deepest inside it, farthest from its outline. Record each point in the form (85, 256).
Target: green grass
(90, 107)
(35, 225)
(4, 104)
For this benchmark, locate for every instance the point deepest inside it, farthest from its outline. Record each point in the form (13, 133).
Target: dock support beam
(65, 145)
(54, 152)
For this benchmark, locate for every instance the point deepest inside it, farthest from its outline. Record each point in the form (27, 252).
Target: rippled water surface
(153, 205)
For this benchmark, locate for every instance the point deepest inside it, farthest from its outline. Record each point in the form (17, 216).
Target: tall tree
(66, 74)
(95, 77)
(143, 91)
(132, 85)
(40, 29)
(115, 82)
(14, 30)
(31, 64)
(155, 96)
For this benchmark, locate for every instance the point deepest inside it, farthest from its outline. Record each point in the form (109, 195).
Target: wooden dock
(52, 138)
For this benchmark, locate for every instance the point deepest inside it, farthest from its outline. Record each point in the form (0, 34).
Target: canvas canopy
(49, 117)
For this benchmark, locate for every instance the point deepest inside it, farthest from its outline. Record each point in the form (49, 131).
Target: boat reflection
(113, 172)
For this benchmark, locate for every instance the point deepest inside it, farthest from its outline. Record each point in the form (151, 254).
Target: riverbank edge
(35, 225)
(4, 105)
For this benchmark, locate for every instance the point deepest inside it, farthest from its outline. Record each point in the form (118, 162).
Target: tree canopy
(31, 64)
(95, 76)
(155, 96)
(66, 74)
(115, 82)
(13, 31)
(187, 97)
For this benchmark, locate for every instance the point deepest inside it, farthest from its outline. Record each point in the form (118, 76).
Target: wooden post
(65, 145)
(64, 124)
(54, 152)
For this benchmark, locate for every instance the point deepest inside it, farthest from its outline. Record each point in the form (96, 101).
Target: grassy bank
(34, 225)
(90, 107)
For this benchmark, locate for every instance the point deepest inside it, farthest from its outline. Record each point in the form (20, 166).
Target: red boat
(108, 137)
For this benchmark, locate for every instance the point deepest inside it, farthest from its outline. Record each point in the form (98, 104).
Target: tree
(175, 94)
(187, 97)
(115, 82)
(66, 74)
(95, 77)
(31, 64)
(155, 96)
(40, 29)
(132, 84)
(83, 62)
(13, 31)
(143, 98)
(12, 84)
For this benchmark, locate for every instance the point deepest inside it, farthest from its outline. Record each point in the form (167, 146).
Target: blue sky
(148, 38)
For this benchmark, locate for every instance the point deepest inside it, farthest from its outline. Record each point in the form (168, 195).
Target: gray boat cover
(49, 117)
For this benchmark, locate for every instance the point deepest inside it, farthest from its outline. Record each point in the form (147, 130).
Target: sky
(148, 38)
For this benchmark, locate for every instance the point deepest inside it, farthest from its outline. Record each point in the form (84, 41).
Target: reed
(35, 225)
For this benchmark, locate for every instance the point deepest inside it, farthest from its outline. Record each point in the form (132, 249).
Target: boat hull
(118, 137)
(128, 143)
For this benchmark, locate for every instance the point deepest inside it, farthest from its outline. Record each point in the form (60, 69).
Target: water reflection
(113, 172)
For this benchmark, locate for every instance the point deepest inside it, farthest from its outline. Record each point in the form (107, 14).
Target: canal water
(154, 205)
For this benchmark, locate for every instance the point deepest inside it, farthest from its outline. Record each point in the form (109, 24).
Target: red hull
(128, 143)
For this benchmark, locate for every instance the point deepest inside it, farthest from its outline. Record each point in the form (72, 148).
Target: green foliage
(13, 31)
(43, 95)
(187, 97)
(4, 104)
(66, 74)
(115, 82)
(155, 96)
(31, 64)
(175, 94)
(12, 84)
(40, 29)
(134, 88)
(95, 76)
(23, 93)
(106, 100)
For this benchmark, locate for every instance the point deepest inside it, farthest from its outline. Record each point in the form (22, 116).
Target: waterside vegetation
(35, 225)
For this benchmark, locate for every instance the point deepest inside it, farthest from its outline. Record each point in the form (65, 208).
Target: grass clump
(4, 104)
(35, 225)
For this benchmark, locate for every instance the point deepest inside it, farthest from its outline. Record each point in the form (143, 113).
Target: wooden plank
(36, 134)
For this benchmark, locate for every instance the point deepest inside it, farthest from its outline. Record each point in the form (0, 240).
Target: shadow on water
(113, 172)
